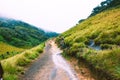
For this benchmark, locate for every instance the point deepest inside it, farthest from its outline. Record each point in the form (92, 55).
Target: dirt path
(50, 66)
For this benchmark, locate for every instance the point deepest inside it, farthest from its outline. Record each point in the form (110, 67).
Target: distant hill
(100, 30)
(21, 34)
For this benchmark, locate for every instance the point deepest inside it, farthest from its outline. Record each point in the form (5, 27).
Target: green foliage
(13, 66)
(110, 37)
(8, 54)
(10, 77)
(106, 46)
(10, 68)
(104, 30)
(80, 39)
(1, 38)
(23, 61)
(107, 61)
(7, 51)
(21, 34)
(107, 4)
(79, 45)
(94, 34)
(66, 56)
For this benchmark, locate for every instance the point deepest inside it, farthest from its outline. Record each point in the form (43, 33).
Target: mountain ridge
(22, 34)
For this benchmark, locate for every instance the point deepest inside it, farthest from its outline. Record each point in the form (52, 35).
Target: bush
(10, 76)
(8, 54)
(23, 61)
(39, 50)
(94, 35)
(106, 46)
(80, 39)
(11, 69)
(1, 38)
(117, 40)
(79, 45)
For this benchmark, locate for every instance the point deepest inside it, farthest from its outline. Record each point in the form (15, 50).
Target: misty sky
(52, 15)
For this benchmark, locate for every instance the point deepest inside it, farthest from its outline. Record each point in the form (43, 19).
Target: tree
(104, 6)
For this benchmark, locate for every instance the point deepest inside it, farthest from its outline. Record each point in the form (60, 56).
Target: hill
(7, 51)
(96, 40)
(21, 34)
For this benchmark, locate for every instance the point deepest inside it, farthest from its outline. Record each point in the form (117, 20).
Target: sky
(51, 15)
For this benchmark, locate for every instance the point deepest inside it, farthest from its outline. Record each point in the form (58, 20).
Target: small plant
(106, 46)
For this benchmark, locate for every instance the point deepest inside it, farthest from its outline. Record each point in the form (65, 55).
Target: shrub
(79, 45)
(1, 38)
(106, 46)
(22, 61)
(94, 35)
(11, 69)
(10, 76)
(39, 50)
(117, 40)
(80, 39)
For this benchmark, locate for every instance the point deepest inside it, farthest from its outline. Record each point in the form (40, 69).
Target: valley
(89, 50)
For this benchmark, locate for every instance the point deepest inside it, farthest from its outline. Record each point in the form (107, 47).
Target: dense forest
(22, 34)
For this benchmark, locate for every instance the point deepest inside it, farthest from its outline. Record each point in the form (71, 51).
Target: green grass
(15, 65)
(7, 51)
(107, 60)
(8, 48)
(104, 30)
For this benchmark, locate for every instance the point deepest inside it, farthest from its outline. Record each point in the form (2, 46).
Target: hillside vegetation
(21, 34)
(105, 5)
(104, 30)
(14, 66)
(7, 51)
(16, 37)
(4, 48)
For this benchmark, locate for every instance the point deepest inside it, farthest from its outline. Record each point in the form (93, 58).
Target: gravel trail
(50, 66)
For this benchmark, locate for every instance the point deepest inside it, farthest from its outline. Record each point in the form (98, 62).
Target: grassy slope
(7, 50)
(104, 29)
(15, 65)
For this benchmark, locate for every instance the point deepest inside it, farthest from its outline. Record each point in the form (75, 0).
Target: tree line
(104, 6)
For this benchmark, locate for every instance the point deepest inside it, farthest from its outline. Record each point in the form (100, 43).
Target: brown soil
(83, 72)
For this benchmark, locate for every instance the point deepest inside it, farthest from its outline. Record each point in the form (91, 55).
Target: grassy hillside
(104, 30)
(4, 48)
(14, 66)
(7, 51)
(21, 34)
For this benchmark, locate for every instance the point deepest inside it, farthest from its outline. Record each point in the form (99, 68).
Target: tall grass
(15, 65)
(107, 61)
(7, 51)
(104, 30)
(4, 48)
